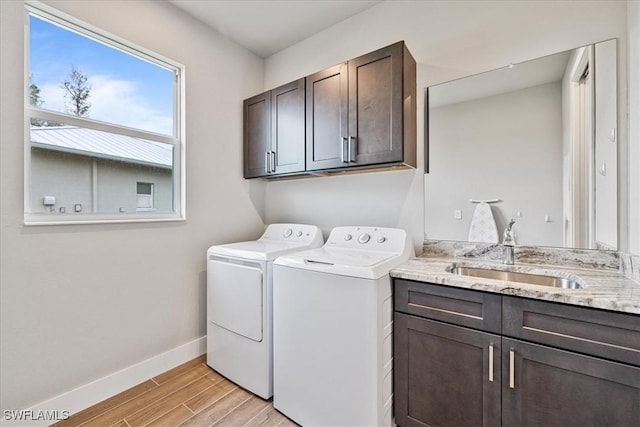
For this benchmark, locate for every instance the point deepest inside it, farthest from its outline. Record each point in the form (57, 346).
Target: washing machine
(333, 328)
(239, 303)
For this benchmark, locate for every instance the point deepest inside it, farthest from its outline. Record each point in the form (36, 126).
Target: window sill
(31, 219)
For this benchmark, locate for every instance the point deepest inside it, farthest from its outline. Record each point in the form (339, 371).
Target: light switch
(457, 214)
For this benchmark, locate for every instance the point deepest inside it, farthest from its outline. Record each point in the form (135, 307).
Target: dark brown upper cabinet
(274, 131)
(363, 112)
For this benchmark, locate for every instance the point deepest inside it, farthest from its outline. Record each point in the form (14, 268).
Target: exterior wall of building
(117, 186)
(65, 176)
(69, 178)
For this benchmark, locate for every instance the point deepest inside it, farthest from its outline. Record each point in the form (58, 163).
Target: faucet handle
(507, 237)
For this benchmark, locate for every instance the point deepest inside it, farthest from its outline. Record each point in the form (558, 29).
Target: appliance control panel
(295, 233)
(369, 238)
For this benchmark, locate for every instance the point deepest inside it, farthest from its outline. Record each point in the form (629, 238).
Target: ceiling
(269, 26)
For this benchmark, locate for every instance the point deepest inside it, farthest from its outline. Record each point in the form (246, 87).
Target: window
(145, 196)
(102, 116)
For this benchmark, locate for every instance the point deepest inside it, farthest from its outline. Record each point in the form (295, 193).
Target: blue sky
(124, 89)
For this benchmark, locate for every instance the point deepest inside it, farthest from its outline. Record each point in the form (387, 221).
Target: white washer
(239, 303)
(333, 328)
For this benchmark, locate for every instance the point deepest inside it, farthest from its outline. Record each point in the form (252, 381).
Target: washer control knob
(348, 237)
(298, 233)
(364, 238)
(382, 239)
(288, 232)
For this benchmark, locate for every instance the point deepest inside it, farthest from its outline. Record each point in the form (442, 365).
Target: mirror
(538, 140)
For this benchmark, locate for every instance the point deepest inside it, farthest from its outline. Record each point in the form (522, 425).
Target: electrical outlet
(457, 214)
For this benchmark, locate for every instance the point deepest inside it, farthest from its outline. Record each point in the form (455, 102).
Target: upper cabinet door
(327, 115)
(257, 135)
(376, 106)
(287, 127)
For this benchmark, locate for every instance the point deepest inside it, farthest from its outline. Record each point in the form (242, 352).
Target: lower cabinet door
(544, 386)
(445, 375)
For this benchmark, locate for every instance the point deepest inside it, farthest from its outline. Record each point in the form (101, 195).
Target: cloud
(114, 101)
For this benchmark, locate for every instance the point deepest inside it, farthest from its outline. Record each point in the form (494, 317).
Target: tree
(35, 100)
(77, 93)
(34, 93)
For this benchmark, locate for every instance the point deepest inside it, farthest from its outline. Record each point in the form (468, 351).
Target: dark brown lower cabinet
(582, 370)
(443, 378)
(445, 374)
(544, 386)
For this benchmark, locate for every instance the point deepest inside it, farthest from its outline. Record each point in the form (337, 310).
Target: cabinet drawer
(473, 309)
(614, 336)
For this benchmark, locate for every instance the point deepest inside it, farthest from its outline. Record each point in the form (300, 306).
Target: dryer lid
(257, 249)
(277, 240)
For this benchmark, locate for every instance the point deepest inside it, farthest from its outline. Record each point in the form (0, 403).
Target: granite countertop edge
(603, 289)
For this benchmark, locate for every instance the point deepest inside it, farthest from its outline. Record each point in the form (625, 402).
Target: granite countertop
(602, 288)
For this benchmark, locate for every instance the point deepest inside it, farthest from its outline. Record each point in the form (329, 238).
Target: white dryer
(333, 328)
(239, 303)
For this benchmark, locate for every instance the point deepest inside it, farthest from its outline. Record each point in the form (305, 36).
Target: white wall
(506, 146)
(634, 126)
(605, 152)
(81, 302)
(448, 40)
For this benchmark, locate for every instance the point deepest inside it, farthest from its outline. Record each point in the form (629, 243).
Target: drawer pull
(344, 152)
(512, 380)
(352, 153)
(491, 362)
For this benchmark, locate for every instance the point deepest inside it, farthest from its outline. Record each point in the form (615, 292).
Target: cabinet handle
(491, 362)
(354, 152)
(273, 161)
(267, 162)
(512, 381)
(344, 152)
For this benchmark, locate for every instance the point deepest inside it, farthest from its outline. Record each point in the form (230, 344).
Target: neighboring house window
(145, 196)
(102, 116)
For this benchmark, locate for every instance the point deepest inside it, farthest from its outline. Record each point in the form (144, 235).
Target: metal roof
(105, 145)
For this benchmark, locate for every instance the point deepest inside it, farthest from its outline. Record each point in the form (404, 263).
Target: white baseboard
(89, 394)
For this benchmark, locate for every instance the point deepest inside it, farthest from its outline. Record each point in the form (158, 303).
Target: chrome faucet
(508, 242)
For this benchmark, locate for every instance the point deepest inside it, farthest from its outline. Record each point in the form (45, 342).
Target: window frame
(177, 140)
(150, 196)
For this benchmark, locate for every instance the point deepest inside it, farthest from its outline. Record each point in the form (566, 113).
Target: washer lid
(344, 262)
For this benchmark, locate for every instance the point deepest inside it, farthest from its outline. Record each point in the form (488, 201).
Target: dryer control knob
(348, 237)
(364, 238)
(298, 233)
(382, 239)
(288, 232)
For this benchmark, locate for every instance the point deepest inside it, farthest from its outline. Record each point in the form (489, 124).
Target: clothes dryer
(239, 303)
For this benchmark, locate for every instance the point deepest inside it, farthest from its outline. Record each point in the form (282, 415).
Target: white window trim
(177, 139)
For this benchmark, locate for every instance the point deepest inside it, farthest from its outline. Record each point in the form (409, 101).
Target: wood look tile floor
(191, 394)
